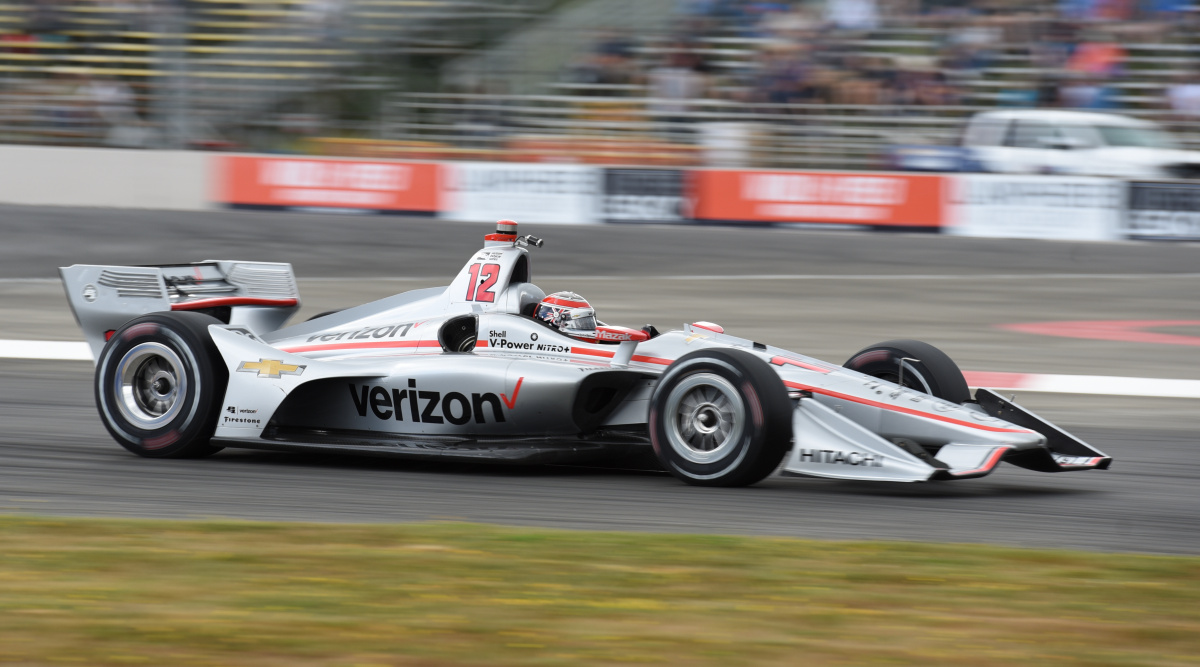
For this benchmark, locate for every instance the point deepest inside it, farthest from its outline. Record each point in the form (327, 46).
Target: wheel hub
(150, 384)
(707, 417)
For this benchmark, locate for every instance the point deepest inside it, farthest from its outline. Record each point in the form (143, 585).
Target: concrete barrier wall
(106, 177)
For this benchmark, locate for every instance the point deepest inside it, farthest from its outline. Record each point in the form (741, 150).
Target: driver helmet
(569, 313)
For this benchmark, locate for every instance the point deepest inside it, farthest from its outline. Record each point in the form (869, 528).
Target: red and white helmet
(569, 313)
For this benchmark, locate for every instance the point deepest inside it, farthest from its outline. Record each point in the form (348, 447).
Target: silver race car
(191, 359)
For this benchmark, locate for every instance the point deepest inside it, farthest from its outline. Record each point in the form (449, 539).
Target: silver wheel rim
(707, 418)
(150, 385)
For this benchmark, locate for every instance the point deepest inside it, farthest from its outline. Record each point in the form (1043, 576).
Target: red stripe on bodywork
(591, 352)
(481, 343)
(218, 302)
(362, 346)
(897, 408)
(992, 461)
(607, 354)
(709, 326)
(781, 361)
(1091, 463)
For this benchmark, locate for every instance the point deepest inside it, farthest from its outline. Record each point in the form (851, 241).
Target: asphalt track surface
(823, 293)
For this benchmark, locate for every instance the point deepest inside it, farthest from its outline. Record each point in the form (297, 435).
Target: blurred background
(814, 84)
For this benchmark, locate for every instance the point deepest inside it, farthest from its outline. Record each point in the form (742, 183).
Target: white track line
(1036, 382)
(56, 350)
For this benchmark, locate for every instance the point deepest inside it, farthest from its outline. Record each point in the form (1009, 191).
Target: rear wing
(260, 296)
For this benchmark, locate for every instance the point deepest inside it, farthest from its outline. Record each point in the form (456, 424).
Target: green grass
(125, 592)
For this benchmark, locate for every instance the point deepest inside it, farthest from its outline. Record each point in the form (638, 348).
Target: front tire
(159, 385)
(720, 418)
(926, 368)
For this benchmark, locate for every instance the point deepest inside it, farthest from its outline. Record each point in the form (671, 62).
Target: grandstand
(188, 73)
(599, 81)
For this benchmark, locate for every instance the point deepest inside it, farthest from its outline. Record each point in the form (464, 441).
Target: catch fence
(648, 131)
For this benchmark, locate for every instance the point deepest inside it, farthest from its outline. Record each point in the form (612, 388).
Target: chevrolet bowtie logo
(270, 368)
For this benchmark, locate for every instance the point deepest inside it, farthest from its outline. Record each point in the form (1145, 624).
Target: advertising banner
(1078, 208)
(289, 182)
(490, 191)
(888, 200)
(1166, 211)
(645, 195)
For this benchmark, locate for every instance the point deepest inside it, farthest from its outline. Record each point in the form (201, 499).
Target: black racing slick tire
(159, 385)
(720, 418)
(926, 368)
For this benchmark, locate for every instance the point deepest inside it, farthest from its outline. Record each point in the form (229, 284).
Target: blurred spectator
(858, 15)
(1100, 55)
(783, 76)
(1184, 95)
(976, 44)
(112, 104)
(324, 18)
(678, 80)
(46, 17)
(1091, 93)
(1052, 48)
(609, 69)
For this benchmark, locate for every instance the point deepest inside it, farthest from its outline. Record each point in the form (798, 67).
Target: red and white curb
(1035, 382)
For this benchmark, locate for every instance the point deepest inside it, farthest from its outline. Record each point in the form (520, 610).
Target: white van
(1045, 141)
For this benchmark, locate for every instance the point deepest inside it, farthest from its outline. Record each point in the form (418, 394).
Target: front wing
(827, 444)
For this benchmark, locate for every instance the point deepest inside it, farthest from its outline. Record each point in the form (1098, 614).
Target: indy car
(193, 358)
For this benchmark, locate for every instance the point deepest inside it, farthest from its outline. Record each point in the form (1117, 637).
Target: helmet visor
(581, 322)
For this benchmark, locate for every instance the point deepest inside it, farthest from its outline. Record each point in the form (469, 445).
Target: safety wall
(877, 200)
(273, 182)
(1018, 206)
(1162, 211)
(986, 205)
(103, 177)
(489, 191)
(1034, 207)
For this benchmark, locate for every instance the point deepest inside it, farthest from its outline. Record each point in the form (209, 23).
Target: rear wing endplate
(257, 295)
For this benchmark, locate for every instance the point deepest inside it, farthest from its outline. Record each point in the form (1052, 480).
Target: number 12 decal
(478, 290)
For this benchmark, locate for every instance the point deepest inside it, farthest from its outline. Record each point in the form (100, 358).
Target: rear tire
(159, 385)
(934, 372)
(720, 418)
